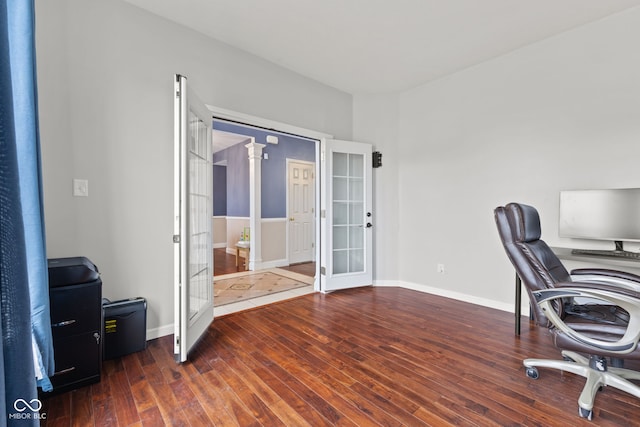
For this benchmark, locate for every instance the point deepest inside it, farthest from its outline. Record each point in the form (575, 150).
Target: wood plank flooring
(225, 263)
(363, 357)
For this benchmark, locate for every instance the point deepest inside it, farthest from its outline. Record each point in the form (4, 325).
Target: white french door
(193, 206)
(346, 216)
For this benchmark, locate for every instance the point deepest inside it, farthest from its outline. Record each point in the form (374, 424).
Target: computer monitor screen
(600, 214)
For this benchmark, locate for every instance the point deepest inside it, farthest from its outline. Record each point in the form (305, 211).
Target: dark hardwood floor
(306, 268)
(224, 263)
(363, 357)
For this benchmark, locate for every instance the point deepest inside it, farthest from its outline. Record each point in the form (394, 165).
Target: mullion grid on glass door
(198, 233)
(348, 247)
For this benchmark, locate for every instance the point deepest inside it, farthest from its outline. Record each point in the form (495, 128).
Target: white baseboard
(273, 264)
(159, 332)
(449, 294)
(220, 245)
(264, 265)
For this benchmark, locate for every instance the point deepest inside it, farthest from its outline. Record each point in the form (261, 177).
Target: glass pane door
(348, 213)
(200, 240)
(346, 217)
(193, 206)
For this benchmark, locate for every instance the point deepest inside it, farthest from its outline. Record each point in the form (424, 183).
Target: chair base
(596, 379)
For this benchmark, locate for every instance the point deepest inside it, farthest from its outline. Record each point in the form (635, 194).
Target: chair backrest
(534, 261)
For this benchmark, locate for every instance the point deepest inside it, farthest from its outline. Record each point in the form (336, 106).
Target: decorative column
(255, 203)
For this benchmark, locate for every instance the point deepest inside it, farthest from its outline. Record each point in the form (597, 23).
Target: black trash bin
(125, 327)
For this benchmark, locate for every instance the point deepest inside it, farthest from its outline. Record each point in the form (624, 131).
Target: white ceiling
(223, 140)
(377, 46)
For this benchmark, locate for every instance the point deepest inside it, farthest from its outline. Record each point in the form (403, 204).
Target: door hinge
(323, 271)
(323, 213)
(313, 245)
(176, 238)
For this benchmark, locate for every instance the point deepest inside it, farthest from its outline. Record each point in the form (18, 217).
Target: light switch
(80, 187)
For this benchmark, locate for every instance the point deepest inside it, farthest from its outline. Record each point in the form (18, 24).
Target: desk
(565, 254)
(243, 246)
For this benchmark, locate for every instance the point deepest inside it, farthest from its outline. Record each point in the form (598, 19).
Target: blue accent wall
(274, 170)
(237, 179)
(219, 190)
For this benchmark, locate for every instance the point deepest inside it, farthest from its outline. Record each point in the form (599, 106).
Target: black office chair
(593, 314)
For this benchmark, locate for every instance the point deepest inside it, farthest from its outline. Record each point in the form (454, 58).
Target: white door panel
(346, 217)
(301, 196)
(193, 208)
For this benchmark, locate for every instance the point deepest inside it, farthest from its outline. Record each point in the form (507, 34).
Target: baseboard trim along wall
(159, 332)
(450, 294)
(274, 264)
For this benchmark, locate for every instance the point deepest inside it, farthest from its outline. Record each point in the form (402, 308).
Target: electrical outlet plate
(80, 188)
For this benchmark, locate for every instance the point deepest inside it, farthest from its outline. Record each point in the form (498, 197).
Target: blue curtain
(24, 294)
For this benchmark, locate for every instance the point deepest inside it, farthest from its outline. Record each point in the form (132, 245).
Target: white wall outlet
(80, 188)
(440, 268)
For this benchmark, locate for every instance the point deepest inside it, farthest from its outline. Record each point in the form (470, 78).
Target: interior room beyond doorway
(232, 222)
(265, 214)
(241, 290)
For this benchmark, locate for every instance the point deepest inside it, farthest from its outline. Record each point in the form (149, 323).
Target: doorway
(286, 179)
(340, 186)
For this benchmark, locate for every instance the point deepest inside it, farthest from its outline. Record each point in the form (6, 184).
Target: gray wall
(563, 113)
(105, 77)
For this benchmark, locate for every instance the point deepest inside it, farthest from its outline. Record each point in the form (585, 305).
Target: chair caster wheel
(586, 413)
(532, 373)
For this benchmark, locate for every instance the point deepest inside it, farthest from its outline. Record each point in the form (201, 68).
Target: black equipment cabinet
(75, 294)
(125, 327)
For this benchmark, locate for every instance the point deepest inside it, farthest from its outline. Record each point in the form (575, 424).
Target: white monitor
(612, 215)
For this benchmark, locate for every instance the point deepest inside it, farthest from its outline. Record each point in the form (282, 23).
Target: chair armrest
(615, 286)
(606, 276)
(626, 344)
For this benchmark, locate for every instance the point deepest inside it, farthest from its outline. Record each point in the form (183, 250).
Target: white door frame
(225, 114)
(315, 208)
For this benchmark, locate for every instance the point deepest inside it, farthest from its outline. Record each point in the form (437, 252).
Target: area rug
(237, 287)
